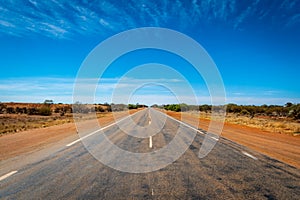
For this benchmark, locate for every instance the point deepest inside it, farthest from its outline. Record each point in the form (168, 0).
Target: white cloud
(37, 89)
(250, 100)
(76, 17)
(5, 23)
(105, 23)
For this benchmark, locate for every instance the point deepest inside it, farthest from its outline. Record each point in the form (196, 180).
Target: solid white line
(249, 155)
(183, 123)
(101, 129)
(7, 175)
(150, 142)
(214, 138)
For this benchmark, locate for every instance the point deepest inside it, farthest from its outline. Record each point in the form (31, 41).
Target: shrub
(45, 111)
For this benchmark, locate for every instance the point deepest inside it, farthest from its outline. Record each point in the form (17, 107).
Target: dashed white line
(150, 142)
(149, 117)
(249, 155)
(7, 175)
(152, 192)
(101, 129)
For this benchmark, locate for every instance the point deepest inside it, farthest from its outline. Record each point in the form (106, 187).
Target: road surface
(67, 170)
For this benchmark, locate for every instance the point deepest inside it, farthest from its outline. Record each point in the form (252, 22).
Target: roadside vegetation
(274, 118)
(289, 110)
(16, 117)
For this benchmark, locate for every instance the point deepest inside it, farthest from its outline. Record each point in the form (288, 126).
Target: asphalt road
(69, 171)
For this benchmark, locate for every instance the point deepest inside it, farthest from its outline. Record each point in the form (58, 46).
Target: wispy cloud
(37, 89)
(251, 100)
(149, 91)
(64, 19)
(6, 24)
(295, 19)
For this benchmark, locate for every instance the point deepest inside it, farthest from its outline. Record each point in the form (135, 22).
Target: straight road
(229, 171)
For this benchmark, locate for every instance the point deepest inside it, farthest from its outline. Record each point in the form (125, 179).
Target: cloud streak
(61, 90)
(66, 19)
(36, 89)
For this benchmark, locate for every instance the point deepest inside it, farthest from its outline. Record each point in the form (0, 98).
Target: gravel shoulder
(283, 147)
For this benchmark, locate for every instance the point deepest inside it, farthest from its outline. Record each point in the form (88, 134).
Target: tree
(295, 111)
(48, 101)
(132, 106)
(184, 107)
(173, 107)
(78, 107)
(205, 108)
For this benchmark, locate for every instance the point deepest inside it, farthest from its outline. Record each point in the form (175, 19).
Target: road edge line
(101, 129)
(183, 123)
(7, 175)
(249, 155)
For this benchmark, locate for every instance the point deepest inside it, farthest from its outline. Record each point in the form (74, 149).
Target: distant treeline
(47, 108)
(288, 110)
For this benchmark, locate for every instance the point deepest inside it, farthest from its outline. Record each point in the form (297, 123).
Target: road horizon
(71, 171)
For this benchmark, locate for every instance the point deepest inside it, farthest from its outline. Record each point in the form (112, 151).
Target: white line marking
(7, 175)
(214, 138)
(152, 192)
(150, 142)
(249, 155)
(183, 123)
(101, 129)
(149, 117)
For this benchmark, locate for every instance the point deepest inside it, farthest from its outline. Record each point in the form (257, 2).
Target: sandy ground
(282, 147)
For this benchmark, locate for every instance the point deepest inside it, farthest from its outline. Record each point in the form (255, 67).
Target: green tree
(295, 111)
(288, 104)
(48, 101)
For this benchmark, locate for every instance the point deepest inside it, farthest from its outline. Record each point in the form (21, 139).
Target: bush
(173, 107)
(32, 111)
(245, 112)
(2, 108)
(10, 110)
(132, 106)
(295, 111)
(100, 109)
(45, 111)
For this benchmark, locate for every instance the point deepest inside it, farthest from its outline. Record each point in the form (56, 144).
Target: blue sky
(255, 45)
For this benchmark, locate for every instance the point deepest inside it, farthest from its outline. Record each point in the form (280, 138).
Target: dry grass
(12, 123)
(276, 125)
